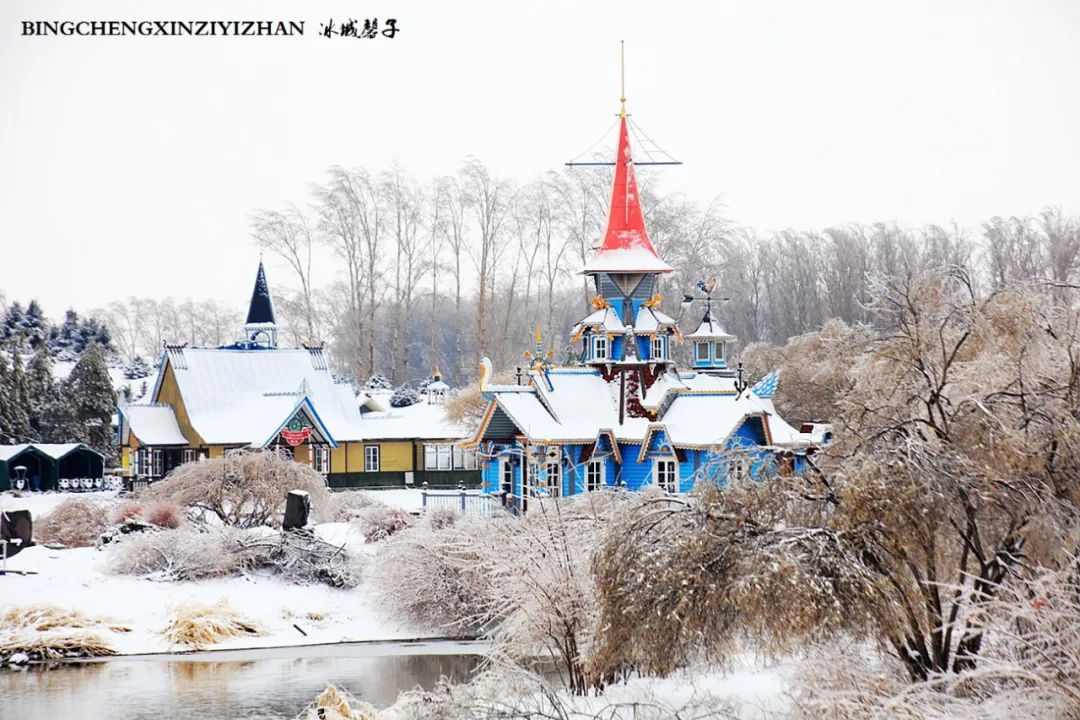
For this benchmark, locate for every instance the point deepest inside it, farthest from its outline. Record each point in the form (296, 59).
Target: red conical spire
(626, 247)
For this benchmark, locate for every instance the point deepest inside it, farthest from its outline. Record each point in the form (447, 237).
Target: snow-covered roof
(59, 450)
(9, 451)
(421, 421)
(438, 385)
(694, 410)
(54, 450)
(153, 424)
(244, 396)
(605, 317)
(709, 329)
(633, 259)
(649, 320)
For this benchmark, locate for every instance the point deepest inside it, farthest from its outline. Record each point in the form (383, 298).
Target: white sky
(130, 166)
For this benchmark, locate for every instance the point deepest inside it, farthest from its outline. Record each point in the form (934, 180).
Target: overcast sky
(131, 166)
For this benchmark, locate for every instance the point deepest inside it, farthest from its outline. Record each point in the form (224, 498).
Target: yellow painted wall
(302, 453)
(355, 453)
(338, 458)
(217, 451)
(125, 458)
(169, 394)
(395, 456)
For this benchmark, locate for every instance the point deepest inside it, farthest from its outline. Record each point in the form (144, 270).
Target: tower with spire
(260, 328)
(626, 336)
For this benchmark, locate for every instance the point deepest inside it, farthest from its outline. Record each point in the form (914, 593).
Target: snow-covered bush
(243, 489)
(73, 523)
(378, 521)
(378, 382)
(176, 555)
(523, 580)
(436, 578)
(1030, 666)
(347, 505)
(442, 517)
(137, 369)
(404, 396)
(197, 552)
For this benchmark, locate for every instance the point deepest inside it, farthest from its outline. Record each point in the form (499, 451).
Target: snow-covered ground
(77, 579)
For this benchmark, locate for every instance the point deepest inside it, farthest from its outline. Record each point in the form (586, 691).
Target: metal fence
(467, 502)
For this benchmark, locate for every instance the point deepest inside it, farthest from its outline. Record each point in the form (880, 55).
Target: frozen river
(254, 685)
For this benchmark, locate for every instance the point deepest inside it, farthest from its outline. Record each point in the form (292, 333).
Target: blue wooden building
(626, 416)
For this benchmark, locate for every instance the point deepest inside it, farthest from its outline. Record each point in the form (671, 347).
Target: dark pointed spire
(261, 310)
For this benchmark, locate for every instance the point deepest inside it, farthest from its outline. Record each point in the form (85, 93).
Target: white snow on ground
(77, 579)
(43, 503)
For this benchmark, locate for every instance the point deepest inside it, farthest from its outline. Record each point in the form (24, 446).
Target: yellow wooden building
(254, 394)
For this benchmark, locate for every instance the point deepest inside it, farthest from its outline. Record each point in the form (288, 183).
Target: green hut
(50, 462)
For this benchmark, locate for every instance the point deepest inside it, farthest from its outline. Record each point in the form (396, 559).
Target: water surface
(253, 685)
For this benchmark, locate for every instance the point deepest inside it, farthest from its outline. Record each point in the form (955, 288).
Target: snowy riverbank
(77, 579)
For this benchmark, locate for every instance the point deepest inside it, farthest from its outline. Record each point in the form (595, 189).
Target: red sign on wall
(295, 437)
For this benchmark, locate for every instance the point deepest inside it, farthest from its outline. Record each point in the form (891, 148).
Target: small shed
(49, 462)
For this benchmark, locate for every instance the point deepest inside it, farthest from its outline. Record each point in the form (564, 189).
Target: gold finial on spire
(537, 334)
(622, 80)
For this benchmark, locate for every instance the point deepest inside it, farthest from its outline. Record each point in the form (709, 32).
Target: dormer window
(721, 351)
(600, 347)
(702, 351)
(657, 350)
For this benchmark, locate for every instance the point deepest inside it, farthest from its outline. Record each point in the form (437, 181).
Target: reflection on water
(254, 689)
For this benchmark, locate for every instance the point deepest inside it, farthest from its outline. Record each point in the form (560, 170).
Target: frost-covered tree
(955, 467)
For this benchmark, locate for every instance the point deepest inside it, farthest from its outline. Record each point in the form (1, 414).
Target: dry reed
(197, 625)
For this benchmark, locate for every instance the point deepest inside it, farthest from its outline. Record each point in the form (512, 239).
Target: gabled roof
(236, 396)
(9, 451)
(261, 309)
(153, 424)
(626, 247)
(56, 451)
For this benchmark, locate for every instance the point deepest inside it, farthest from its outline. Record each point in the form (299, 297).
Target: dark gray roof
(262, 307)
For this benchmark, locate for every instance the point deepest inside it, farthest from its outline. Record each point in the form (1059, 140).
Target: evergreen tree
(70, 339)
(49, 420)
(14, 400)
(90, 395)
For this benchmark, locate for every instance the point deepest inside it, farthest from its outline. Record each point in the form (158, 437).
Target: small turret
(711, 343)
(261, 327)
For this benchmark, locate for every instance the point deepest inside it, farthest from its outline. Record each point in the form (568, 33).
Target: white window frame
(720, 351)
(321, 456)
(553, 477)
(430, 456)
(444, 455)
(666, 474)
(157, 463)
(595, 475)
(600, 347)
(657, 347)
(700, 356)
(506, 476)
(189, 455)
(737, 468)
(372, 458)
